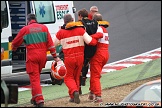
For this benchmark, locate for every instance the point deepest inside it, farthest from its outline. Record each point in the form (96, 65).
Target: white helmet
(58, 70)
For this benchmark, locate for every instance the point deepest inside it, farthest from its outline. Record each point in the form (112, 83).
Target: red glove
(13, 48)
(97, 35)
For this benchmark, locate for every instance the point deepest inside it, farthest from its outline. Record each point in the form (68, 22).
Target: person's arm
(90, 40)
(96, 35)
(51, 47)
(56, 41)
(18, 40)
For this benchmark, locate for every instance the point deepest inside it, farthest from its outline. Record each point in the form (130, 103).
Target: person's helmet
(58, 70)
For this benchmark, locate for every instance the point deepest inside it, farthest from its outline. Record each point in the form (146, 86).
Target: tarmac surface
(135, 26)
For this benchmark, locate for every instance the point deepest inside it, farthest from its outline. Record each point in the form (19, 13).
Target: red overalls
(72, 42)
(38, 41)
(98, 61)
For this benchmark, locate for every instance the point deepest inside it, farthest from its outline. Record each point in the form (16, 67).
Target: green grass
(108, 80)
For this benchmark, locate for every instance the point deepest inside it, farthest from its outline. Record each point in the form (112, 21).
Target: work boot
(76, 97)
(71, 100)
(83, 83)
(40, 104)
(33, 102)
(98, 99)
(91, 96)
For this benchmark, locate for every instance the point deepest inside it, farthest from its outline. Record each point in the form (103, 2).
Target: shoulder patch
(74, 24)
(104, 23)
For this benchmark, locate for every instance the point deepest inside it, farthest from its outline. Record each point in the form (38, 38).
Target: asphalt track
(135, 26)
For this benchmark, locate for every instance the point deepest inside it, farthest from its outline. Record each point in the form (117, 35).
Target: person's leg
(96, 65)
(84, 72)
(78, 68)
(34, 67)
(69, 78)
(36, 88)
(95, 86)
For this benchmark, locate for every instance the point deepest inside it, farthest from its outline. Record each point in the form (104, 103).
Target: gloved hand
(97, 35)
(13, 48)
